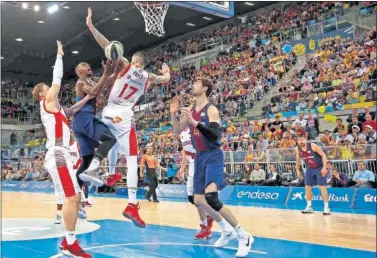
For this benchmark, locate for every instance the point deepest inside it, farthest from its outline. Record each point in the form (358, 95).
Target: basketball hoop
(154, 16)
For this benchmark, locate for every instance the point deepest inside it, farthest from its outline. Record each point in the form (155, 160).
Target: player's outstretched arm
(101, 40)
(178, 126)
(71, 111)
(52, 101)
(164, 78)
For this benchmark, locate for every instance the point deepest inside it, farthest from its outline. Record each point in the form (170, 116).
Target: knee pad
(190, 198)
(213, 201)
(108, 136)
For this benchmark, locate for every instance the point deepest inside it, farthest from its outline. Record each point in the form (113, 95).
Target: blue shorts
(209, 168)
(88, 130)
(313, 177)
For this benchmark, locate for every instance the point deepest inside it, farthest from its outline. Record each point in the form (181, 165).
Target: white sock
(132, 178)
(204, 222)
(224, 225)
(83, 199)
(113, 156)
(70, 236)
(94, 164)
(326, 205)
(240, 230)
(59, 213)
(309, 203)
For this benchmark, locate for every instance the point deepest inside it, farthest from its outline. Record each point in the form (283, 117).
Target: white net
(154, 16)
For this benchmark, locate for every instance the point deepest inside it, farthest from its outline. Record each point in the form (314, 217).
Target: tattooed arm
(76, 107)
(164, 78)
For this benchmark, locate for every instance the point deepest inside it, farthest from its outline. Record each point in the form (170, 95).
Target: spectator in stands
(354, 122)
(263, 143)
(339, 125)
(363, 178)
(356, 135)
(260, 154)
(370, 122)
(273, 177)
(301, 120)
(370, 134)
(277, 124)
(312, 126)
(249, 157)
(257, 176)
(338, 179)
(237, 176)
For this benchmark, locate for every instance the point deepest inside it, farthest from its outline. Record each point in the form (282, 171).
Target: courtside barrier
(30, 186)
(347, 198)
(260, 194)
(365, 199)
(338, 197)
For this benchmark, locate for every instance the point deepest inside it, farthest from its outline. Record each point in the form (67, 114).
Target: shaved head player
(131, 83)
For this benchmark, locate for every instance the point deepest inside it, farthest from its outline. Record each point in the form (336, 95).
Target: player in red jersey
(315, 161)
(58, 160)
(131, 83)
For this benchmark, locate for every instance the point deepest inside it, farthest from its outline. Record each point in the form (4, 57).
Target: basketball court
(28, 228)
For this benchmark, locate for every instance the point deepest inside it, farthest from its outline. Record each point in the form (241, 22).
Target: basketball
(114, 50)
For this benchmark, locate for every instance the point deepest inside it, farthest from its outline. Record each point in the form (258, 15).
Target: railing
(345, 158)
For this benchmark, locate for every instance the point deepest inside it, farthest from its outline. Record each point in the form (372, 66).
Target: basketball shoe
(88, 204)
(73, 250)
(245, 242)
(58, 219)
(92, 176)
(326, 211)
(308, 210)
(132, 212)
(226, 236)
(112, 179)
(203, 233)
(82, 213)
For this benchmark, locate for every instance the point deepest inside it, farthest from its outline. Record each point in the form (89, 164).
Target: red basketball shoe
(203, 233)
(112, 179)
(210, 221)
(132, 212)
(73, 250)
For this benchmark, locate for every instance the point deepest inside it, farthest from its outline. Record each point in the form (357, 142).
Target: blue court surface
(122, 239)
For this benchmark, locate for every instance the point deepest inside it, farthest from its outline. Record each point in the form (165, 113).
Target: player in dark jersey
(89, 130)
(315, 161)
(204, 122)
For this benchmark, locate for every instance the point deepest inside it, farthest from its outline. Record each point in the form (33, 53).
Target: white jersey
(187, 144)
(130, 85)
(56, 126)
(74, 151)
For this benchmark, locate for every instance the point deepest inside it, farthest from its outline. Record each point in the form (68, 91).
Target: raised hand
(174, 105)
(60, 48)
(165, 69)
(89, 17)
(108, 67)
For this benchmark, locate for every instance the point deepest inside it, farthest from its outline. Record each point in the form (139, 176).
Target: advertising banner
(172, 191)
(338, 197)
(365, 199)
(30, 186)
(260, 194)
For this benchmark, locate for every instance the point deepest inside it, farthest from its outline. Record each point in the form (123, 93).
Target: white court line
(156, 243)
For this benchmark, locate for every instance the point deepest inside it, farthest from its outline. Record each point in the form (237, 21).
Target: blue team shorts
(209, 168)
(313, 177)
(88, 130)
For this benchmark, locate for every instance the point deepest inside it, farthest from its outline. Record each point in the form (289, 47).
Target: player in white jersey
(188, 156)
(76, 161)
(58, 161)
(118, 115)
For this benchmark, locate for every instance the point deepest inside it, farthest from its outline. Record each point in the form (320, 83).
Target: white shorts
(59, 164)
(190, 178)
(120, 121)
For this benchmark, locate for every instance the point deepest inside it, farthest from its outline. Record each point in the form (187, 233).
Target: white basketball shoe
(226, 236)
(244, 245)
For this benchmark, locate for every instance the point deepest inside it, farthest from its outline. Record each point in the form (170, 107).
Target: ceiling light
(75, 52)
(19, 39)
(190, 24)
(207, 18)
(53, 8)
(36, 8)
(248, 3)
(66, 7)
(2, 58)
(41, 22)
(25, 5)
(116, 19)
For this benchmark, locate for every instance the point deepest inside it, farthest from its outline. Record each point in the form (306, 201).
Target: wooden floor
(340, 229)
